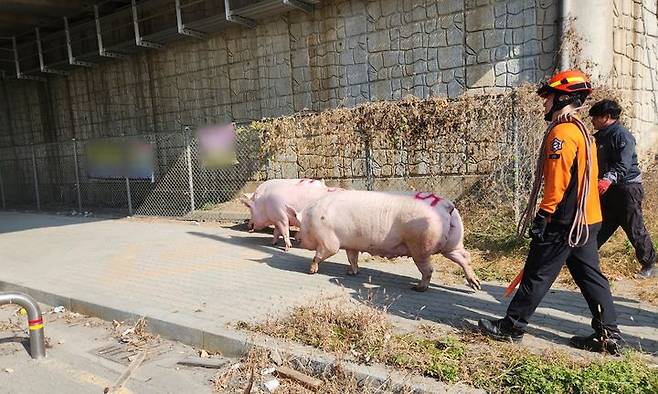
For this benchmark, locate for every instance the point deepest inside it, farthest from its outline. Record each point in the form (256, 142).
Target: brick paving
(206, 276)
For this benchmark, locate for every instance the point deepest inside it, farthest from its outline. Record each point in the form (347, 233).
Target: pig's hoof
(313, 270)
(475, 285)
(352, 273)
(420, 288)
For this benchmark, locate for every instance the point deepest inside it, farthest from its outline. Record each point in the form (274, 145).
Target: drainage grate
(119, 353)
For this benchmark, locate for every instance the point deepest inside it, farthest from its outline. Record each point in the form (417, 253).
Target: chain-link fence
(487, 161)
(56, 177)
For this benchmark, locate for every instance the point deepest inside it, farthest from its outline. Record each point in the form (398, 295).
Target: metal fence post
(369, 172)
(130, 201)
(77, 175)
(190, 176)
(517, 186)
(36, 179)
(2, 190)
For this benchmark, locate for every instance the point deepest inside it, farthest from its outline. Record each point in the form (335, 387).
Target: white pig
(390, 225)
(270, 207)
(274, 183)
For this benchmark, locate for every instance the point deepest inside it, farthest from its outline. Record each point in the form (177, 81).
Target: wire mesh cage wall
(219, 185)
(17, 177)
(57, 177)
(486, 167)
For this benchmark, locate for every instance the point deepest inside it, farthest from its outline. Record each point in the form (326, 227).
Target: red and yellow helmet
(567, 82)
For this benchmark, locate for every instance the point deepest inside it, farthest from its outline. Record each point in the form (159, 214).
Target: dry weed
(353, 329)
(465, 357)
(236, 378)
(136, 335)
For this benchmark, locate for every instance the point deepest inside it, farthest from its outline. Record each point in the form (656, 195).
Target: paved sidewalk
(206, 276)
(72, 364)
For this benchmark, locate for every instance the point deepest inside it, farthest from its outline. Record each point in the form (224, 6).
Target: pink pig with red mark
(416, 225)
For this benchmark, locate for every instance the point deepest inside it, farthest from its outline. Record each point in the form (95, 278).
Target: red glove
(604, 184)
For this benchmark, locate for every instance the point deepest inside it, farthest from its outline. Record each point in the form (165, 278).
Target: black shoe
(647, 272)
(613, 344)
(500, 330)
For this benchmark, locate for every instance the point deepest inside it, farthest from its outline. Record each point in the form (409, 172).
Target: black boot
(648, 271)
(612, 343)
(500, 330)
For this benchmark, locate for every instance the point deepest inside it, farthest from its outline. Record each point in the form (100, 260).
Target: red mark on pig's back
(431, 197)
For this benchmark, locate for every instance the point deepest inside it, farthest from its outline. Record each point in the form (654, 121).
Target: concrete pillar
(592, 21)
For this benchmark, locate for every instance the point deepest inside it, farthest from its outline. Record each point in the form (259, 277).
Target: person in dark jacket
(620, 184)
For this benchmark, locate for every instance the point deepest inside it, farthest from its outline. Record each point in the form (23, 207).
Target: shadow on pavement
(11, 222)
(453, 304)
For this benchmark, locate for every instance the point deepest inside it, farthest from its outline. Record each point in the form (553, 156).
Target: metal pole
(99, 36)
(77, 175)
(133, 7)
(36, 179)
(35, 321)
(179, 17)
(190, 176)
(42, 66)
(16, 62)
(130, 201)
(369, 172)
(517, 186)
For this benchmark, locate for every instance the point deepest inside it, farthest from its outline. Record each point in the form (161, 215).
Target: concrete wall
(344, 53)
(635, 65)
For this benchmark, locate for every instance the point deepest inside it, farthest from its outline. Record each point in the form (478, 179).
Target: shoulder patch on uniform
(556, 144)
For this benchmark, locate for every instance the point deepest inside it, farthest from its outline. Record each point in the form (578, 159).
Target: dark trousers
(544, 262)
(622, 207)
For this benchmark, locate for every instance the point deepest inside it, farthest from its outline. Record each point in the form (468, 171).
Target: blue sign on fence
(120, 160)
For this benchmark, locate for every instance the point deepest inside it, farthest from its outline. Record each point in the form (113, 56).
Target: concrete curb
(235, 344)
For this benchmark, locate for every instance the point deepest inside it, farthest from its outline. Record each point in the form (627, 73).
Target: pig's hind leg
(276, 234)
(353, 258)
(463, 258)
(424, 265)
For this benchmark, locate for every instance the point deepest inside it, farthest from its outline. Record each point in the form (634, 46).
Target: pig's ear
(292, 213)
(246, 201)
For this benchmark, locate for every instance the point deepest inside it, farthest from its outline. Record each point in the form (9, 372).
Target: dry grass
(457, 357)
(498, 255)
(351, 329)
(237, 377)
(136, 335)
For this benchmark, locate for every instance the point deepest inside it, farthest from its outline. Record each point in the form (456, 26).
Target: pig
(270, 207)
(417, 225)
(274, 183)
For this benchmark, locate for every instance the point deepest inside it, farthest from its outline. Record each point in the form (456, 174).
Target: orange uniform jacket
(564, 171)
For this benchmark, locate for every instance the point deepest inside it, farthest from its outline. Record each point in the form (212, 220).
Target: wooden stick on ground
(126, 375)
(308, 381)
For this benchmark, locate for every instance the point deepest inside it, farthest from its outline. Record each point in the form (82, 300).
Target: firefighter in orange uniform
(565, 226)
